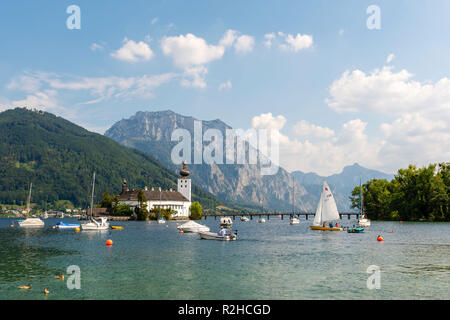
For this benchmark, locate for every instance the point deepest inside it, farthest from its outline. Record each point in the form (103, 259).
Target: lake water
(272, 260)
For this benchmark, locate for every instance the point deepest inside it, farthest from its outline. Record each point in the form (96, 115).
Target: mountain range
(243, 184)
(60, 157)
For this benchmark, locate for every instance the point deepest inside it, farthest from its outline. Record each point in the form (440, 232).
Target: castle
(179, 201)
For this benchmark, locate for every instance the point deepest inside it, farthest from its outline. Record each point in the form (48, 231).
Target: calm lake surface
(271, 260)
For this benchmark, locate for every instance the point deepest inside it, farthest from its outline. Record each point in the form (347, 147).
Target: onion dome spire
(184, 172)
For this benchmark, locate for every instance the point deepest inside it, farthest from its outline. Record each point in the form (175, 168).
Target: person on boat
(324, 224)
(336, 225)
(331, 225)
(222, 231)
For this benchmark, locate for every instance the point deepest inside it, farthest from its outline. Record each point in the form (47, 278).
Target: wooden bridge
(274, 214)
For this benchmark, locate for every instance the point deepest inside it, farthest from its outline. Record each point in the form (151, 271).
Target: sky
(339, 81)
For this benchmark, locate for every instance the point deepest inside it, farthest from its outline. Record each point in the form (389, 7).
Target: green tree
(196, 211)
(141, 210)
(122, 209)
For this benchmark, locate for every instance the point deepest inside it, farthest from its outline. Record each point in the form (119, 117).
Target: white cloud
(244, 44)
(43, 86)
(187, 50)
(225, 86)
(388, 92)
(268, 121)
(341, 32)
(308, 130)
(269, 38)
(228, 38)
(194, 76)
(132, 51)
(390, 57)
(297, 43)
(154, 20)
(96, 46)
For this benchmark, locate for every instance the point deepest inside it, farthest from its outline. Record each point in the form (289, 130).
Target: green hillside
(59, 157)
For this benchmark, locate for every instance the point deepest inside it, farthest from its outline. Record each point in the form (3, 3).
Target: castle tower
(184, 182)
(124, 187)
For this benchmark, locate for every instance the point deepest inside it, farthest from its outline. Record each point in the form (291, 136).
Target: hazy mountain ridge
(341, 184)
(151, 132)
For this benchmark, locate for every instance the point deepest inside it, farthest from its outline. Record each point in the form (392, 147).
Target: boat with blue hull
(63, 225)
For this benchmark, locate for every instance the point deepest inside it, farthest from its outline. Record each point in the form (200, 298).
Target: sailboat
(94, 224)
(294, 219)
(363, 221)
(326, 210)
(30, 222)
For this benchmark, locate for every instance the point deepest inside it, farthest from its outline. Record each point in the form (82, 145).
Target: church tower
(184, 182)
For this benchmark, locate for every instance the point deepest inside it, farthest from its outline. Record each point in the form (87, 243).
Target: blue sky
(381, 118)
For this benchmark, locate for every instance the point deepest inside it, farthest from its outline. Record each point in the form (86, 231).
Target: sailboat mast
(360, 194)
(293, 196)
(29, 199)
(92, 196)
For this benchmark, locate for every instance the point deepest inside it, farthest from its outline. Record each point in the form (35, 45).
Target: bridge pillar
(234, 218)
(348, 217)
(268, 217)
(282, 217)
(306, 217)
(251, 217)
(215, 217)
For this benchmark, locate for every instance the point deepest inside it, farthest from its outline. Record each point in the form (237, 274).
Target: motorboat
(326, 211)
(294, 220)
(193, 227)
(244, 219)
(355, 230)
(96, 225)
(30, 222)
(216, 236)
(261, 220)
(63, 225)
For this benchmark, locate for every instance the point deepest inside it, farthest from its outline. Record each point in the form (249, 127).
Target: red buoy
(109, 242)
(380, 238)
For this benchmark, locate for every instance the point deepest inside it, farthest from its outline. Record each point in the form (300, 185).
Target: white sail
(327, 209)
(318, 216)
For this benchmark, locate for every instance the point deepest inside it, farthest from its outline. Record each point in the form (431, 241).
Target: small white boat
(30, 222)
(161, 221)
(294, 220)
(94, 224)
(193, 227)
(216, 236)
(62, 225)
(363, 221)
(261, 220)
(244, 219)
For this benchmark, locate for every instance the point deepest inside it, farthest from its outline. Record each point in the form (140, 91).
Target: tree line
(415, 194)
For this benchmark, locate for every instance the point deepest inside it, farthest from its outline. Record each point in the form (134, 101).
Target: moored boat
(63, 225)
(294, 220)
(193, 227)
(30, 222)
(244, 219)
(216, 236)
(93, 224)
(362, 217)
(355, 230)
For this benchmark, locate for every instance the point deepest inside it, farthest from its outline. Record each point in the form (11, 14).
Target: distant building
(179, 201)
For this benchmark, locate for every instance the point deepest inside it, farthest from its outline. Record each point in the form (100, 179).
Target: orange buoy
(109, 242)
(380, 238)
(77, 229)
(181, 231)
